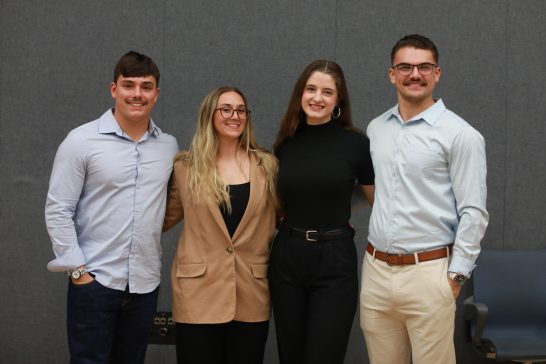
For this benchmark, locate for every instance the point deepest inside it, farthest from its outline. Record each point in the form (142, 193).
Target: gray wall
(56, 62)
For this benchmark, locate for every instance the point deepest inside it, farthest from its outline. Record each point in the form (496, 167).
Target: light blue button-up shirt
(106, 203)
(430, 180)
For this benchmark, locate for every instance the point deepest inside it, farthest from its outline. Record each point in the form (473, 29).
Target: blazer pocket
(190, 270)
(259, 270)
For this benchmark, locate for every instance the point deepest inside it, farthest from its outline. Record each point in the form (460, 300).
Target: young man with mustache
(104, 214)
(428, 218)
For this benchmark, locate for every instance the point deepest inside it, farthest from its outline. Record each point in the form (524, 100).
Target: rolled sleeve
(66, 262)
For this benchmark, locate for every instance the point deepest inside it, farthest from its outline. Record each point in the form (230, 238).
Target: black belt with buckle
(314, 235)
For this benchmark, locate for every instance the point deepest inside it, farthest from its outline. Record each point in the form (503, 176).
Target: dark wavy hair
(294, 116)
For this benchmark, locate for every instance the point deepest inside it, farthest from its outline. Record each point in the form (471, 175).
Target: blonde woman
(224, 189)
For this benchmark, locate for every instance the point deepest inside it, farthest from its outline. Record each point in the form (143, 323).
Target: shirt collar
(429, 115)
(152, 129)
(108, 124)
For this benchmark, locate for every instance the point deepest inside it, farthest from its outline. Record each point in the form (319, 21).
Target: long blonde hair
(203, 176)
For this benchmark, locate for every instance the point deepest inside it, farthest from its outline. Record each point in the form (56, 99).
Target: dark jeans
(314, 291)
(234, 342)
(108, 326)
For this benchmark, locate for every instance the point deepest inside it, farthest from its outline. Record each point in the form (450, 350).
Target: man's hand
(455, 288)
(84, 279)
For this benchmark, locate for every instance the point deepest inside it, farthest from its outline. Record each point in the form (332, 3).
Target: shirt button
(229, 250)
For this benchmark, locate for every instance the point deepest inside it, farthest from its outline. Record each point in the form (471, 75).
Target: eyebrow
(325, 88)
(230, 105)
(145, 83)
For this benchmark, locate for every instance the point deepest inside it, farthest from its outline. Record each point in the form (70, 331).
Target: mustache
(415, 82)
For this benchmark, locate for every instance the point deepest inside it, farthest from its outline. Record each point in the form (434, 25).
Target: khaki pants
(407, 310)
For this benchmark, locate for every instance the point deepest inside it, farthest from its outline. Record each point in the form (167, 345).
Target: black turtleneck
(317, 170)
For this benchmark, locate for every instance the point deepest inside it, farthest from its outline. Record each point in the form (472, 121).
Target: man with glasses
(428, 218)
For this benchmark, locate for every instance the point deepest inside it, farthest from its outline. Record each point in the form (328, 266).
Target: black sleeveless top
(239, 195)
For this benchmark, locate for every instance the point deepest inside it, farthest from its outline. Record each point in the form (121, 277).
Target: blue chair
(506, 317)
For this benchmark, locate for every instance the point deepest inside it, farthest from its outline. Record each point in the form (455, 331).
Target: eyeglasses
(406, 69)
(227, 112)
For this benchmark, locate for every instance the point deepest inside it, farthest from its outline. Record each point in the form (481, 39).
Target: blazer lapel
(218, 218)
(257, 188)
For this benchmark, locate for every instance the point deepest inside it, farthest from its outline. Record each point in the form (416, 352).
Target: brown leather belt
(404, 259)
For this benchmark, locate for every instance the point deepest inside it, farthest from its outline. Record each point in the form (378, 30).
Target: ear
(113, 89)
(437, 73)
(391, 75)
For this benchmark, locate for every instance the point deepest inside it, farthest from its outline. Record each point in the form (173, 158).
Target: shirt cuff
(461, 265)
(67, 262)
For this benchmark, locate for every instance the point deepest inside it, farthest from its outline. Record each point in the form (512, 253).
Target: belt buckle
(308, 238)
(394, 259)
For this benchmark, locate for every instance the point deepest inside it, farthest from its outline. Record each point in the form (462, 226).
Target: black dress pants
(314, 292)
(233, 342)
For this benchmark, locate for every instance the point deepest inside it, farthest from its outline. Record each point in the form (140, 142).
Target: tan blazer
(215, 278)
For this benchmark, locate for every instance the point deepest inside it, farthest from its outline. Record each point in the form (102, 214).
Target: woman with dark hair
(313, 264)
(224, 189)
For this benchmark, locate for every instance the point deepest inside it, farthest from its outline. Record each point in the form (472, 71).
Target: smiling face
(229, 127)
(135, 98)
(414, 88)
(320, 96)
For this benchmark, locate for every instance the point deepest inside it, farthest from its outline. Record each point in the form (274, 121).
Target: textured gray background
(56, 63)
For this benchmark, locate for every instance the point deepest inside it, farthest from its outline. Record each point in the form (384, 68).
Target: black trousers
(314, 291)
(233, 342)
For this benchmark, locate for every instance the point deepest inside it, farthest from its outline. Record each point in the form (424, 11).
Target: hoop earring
(338, 112)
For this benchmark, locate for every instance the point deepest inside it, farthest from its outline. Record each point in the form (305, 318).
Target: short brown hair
(134, 64)
(415, 41)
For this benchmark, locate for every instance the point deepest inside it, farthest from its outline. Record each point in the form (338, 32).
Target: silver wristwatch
(458, 278)
(77, 273)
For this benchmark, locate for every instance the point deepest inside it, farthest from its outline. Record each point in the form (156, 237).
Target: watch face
(457, 278)
(76, 274)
